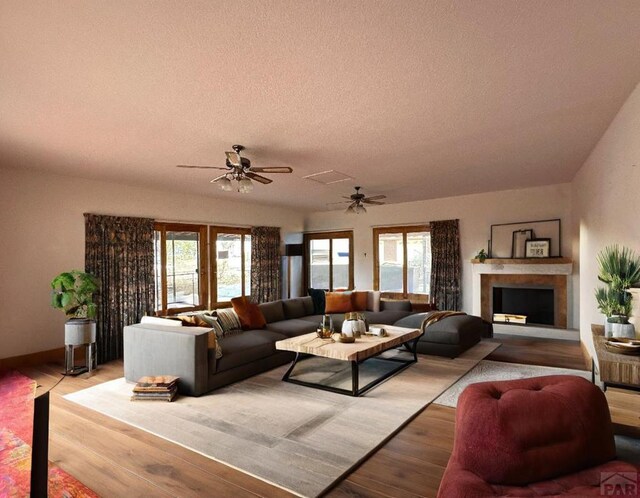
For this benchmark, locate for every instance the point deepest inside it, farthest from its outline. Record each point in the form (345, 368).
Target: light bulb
(245, 186)
(225, 184)
(360, 209)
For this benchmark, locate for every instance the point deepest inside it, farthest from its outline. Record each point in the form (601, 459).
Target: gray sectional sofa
(151, 349)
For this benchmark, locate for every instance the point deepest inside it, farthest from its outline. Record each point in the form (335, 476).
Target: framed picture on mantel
(537, 248)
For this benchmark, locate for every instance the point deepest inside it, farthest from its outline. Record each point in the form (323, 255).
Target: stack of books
(155, 388)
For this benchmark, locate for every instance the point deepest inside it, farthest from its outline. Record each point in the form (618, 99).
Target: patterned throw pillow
(200, 320)
(229, 321)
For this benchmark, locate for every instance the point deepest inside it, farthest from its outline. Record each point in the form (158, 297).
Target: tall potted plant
(73, 293)
(619, 269)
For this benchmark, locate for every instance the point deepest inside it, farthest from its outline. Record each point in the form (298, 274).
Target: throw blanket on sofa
(436, 316)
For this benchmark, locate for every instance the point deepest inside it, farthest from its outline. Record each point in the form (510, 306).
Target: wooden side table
(616, 370)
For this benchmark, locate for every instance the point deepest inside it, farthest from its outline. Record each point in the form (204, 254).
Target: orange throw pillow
(359, 300)
(338, 302)
(250, 315)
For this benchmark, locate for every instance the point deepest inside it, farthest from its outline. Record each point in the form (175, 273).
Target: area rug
(295, 437)
(488, 370)
(16, 435)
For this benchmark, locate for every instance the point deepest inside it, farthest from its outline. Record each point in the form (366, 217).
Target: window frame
(404, 230)
(203, 290)
(214, 230)
(342, 234)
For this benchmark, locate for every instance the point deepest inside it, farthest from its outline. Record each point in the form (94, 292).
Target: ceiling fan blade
(348, 198)
(234, 158)
(339, 202)
(198, 167)
(377, 197)
(272, 169)
(375, 203)
(258, 178)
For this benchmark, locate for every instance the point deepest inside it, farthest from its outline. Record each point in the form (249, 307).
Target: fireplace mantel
(529, 266)
(523, 261)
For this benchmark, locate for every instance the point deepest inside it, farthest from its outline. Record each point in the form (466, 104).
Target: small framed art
(537, 248)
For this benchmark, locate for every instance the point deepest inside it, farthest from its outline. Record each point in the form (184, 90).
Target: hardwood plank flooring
(115, 459)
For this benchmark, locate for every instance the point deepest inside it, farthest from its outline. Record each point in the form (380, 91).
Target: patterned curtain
(266, 278)
(446, 269)
(119, 251)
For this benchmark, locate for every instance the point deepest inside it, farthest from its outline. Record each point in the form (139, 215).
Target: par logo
(619, 483)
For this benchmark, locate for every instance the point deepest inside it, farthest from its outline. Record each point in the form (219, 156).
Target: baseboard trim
(29, 360)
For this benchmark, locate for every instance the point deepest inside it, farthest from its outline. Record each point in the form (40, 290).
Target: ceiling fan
(358, 200)
(239, 169)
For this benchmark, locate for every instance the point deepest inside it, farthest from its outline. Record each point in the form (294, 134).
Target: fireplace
(541, 298)
(536, 304)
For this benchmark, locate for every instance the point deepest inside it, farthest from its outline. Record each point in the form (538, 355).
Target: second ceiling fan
(358, 200)
(239, 169)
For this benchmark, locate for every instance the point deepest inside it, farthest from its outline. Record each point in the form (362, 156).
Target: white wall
(42, 227)
(476, 212)
(606, 193)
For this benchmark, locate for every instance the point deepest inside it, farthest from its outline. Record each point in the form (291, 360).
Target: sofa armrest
(162, 350)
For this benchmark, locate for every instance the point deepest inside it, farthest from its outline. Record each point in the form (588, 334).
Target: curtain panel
(119, 251)
(266, 276)
(446, 268)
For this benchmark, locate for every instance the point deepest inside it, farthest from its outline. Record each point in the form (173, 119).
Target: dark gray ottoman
(450, 336)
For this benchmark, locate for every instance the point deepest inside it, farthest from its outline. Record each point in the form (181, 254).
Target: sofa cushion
(338, 302)
(308, 305)
(373, 301)
(463, 330)
(293, 308)
(248, 346)
(317, 295)
(359, 300)
(249, 313)
(273, 311)
(388, 317)
(395, 305)
(293, 327)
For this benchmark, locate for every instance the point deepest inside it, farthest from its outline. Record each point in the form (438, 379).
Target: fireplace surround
(538, 288)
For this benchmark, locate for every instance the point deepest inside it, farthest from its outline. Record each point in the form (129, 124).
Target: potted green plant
(73, 293)
(619, 269)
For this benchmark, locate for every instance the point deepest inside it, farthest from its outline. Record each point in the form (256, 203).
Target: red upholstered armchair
(545, 436)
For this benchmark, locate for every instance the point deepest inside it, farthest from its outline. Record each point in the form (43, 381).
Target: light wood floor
(115, 459)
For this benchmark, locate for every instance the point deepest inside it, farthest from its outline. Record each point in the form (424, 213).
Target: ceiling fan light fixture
(350, 210)
(360, 209)
(245, 185)
(225, 184)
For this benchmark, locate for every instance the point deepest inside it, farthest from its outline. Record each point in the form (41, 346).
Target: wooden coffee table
(365, 348)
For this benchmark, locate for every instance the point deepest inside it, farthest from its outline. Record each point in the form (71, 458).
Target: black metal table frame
(411, 345)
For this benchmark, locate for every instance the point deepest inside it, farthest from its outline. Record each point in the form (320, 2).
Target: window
(402, 260)
(180, 267)
(328, 260)
(231, 263)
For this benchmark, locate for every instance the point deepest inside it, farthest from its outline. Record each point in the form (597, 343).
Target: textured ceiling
(414, 99)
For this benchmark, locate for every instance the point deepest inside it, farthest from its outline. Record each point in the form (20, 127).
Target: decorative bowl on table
(622, 345)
